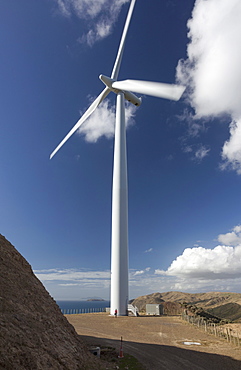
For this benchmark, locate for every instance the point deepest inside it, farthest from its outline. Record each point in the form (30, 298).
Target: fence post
(219, 332)
(228, 335)
(236, 339)
(232, 335)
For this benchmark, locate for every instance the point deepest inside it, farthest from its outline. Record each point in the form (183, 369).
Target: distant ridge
(33, 332)
(222, 304)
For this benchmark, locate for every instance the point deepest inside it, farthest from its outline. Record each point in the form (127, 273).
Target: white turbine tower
(123, 90)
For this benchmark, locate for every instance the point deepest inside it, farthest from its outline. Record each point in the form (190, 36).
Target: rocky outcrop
(34, 334)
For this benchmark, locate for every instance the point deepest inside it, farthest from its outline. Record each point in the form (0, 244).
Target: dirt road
(158, 342)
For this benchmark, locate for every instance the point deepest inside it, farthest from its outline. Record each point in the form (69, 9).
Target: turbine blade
(89, 111)
(116, 68)
(161, 90)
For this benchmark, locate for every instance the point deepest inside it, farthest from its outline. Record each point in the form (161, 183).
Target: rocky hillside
(33, 332)
(221, 304)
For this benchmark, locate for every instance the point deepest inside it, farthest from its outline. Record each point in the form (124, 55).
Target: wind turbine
(124, 91)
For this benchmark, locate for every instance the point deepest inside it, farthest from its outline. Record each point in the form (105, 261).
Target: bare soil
(158, 342)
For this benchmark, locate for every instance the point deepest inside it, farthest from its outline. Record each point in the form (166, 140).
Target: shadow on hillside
(161, 357)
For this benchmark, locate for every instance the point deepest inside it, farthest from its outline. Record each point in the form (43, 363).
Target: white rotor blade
(89, 111)
(117, 64)
(161, 90)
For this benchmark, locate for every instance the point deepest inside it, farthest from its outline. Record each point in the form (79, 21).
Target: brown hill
(210, 299)
(33, 332)
(141, 302)
(213, 302)
(155, 298)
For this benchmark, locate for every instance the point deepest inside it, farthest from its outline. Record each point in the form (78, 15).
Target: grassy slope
(231, 311)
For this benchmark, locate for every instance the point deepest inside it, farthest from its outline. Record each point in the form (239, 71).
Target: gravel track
(158, 342)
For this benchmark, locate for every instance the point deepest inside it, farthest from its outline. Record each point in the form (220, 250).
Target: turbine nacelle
(129, 96)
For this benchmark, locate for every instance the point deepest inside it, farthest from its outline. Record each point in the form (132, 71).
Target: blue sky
(184, 158)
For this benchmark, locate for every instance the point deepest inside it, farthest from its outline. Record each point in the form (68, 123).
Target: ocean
(76, 307)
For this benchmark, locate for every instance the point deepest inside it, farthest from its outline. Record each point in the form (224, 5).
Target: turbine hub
(132, 98)
(108, 82)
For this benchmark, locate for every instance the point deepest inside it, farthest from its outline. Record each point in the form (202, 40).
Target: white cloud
(187, 149)
(102, 121)
(69, 284)
(149, 250)
(212, 70)
(210, 268)
(195, 126)
(237, 229)
(232, 148)
(202, 285)
(198, 262)
(64, 9)
(141, 272)
(71, 275)
(198, 151)
(201, 152)
(232, 238)
(75, 284)
(197, 269)
(100, 14)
